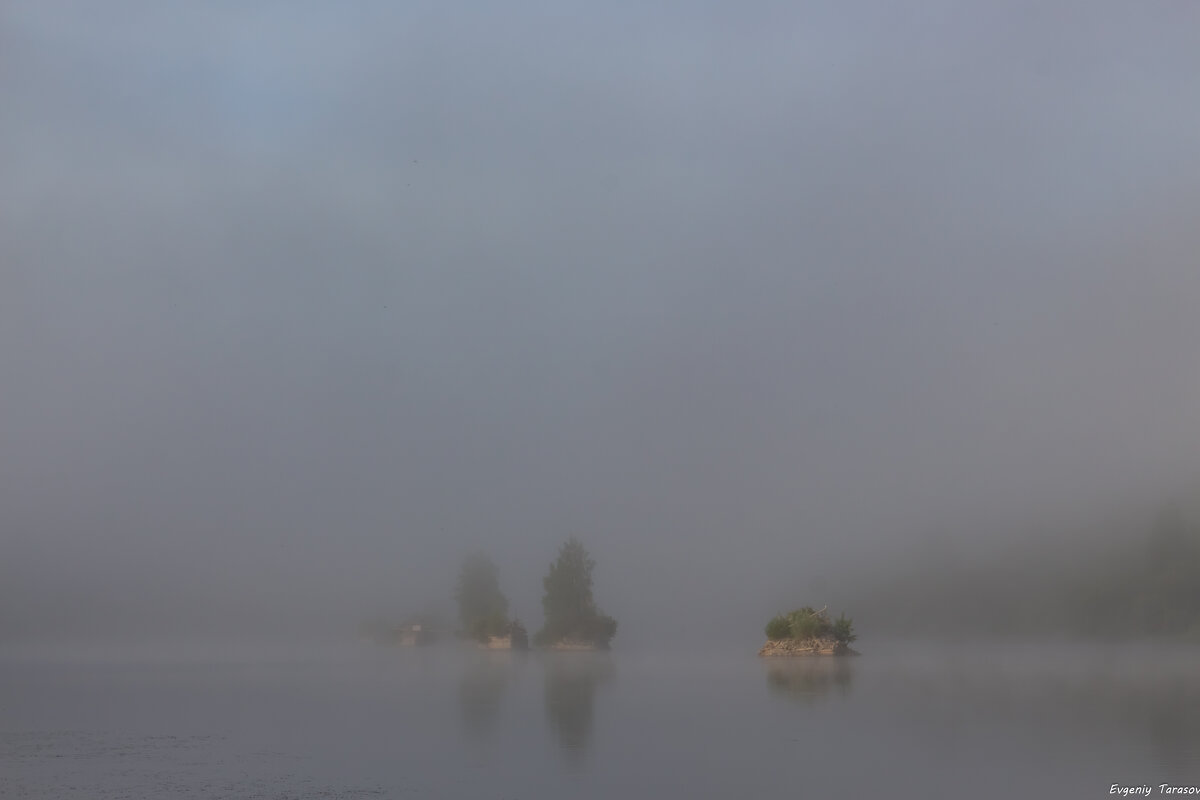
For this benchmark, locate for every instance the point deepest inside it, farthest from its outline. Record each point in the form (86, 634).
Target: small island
(808, 632)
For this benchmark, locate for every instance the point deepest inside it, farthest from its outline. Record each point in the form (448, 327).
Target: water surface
(984, 721)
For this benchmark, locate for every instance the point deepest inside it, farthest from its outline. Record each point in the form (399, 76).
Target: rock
(498, 643)
(572, 644)
(806, 647)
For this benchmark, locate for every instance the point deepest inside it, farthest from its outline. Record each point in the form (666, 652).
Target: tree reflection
(1173, 723)
(481, 690)
(809, 679)
(1149, 696)
(571, 682)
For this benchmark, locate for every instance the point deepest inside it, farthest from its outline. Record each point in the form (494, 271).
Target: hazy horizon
(299, 306)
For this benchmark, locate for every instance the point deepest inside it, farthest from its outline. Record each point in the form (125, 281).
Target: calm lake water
(446, 722)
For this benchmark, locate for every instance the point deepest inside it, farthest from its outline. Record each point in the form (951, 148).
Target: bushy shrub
(808, 623)
(484, 628)
(779, 628)
(545, 638)
(595, 628)
(519, 636)
(598, 629)
(843, 630)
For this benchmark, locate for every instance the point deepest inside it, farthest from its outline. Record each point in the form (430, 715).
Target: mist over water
(886, 309)
(298, 308)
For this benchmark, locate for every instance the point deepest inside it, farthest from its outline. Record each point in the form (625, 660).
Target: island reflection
(571, 680)
(1151, 696)
(482, 688)
(809, 679)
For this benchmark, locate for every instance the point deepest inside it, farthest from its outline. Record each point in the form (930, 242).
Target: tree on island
(808, 623)
(571, 612)
(482, 607)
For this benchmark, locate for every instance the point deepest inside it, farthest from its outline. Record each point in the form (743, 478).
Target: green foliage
(484, 628)
(518, 634)
(808, 623)
(779, 628)
(598, 628)
(570, 609)
(843, 629)
(482, 607)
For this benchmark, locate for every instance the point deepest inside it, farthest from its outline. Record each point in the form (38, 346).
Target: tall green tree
(482, 607)
(568, 604)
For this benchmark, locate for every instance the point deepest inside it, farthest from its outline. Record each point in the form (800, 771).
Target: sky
(300, 303)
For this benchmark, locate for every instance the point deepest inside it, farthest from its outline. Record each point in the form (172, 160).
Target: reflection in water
(1151, 698)
(1160, 712)
(571, 681)
(809, 679)
(481, 689)
(1163, 711)
(1173, 724)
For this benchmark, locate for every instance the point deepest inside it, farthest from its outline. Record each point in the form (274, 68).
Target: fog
(301, 304)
